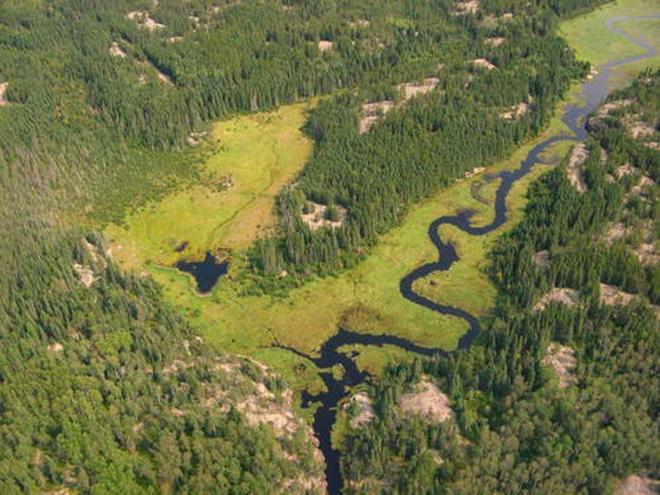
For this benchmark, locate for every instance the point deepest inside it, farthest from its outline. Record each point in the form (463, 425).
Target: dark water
(594, 92)
(206, 272)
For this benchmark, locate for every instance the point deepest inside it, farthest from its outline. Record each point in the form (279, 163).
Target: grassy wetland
(262, 152)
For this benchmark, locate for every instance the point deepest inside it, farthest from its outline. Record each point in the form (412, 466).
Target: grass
(260, 153)
(592, 41)
(263, 152)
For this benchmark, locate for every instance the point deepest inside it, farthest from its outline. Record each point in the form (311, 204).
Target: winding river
(593, 91)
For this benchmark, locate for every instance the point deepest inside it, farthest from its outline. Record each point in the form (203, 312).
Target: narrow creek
(593, 91)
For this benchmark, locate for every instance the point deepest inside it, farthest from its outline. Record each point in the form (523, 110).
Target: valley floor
(262, 152)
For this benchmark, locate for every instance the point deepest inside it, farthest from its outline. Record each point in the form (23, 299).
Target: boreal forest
(120, 375)
(558, 394)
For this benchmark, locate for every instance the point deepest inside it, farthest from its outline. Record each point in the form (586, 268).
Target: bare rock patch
(624, 170)
(427, 401)
(85, 275)
(514, 112)
(574, 167)
(468, 7)
(141, 17)
(495, 41)
(562, 360)
(566, 296)
(412, 89)
(637, 485)
(365, 410)
(615, 232)
(482, 63)
(3, 92)
(611, 295)
(325, 45)
(55, 347)
(541, 258)
(372, 113)
(116, 50)
(317, 215)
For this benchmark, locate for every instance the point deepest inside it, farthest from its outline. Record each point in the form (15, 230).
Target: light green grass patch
(259, 154)
(593, 41)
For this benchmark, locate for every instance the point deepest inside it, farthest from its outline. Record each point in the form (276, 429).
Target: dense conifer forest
(103, 105)
(104, 390)
(521, 424)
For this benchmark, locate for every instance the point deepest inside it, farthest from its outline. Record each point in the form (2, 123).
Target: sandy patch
(495, 41)
(482, 63)
(574, 167)
(637, 485)
(325, 45)
(541, 259)
(372, 113)
(469, 7)
(116, 50)
(516, 111)
(3, 93)
(364, 407)
(141, 17)
(562, 360)
(427, 401)
(568, 297)
(317, 217)
(412, 89)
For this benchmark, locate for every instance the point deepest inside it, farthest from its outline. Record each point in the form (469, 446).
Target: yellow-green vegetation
(232, 201)
(366, 298)
(262, 152)
(593, 41)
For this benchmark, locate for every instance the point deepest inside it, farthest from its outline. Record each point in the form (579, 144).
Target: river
(593, 92)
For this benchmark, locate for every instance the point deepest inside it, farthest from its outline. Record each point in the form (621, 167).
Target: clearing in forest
(230, 203)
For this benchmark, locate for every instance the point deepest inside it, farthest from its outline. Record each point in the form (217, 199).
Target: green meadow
(231, 201)
(592, 41)
(261, 153)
